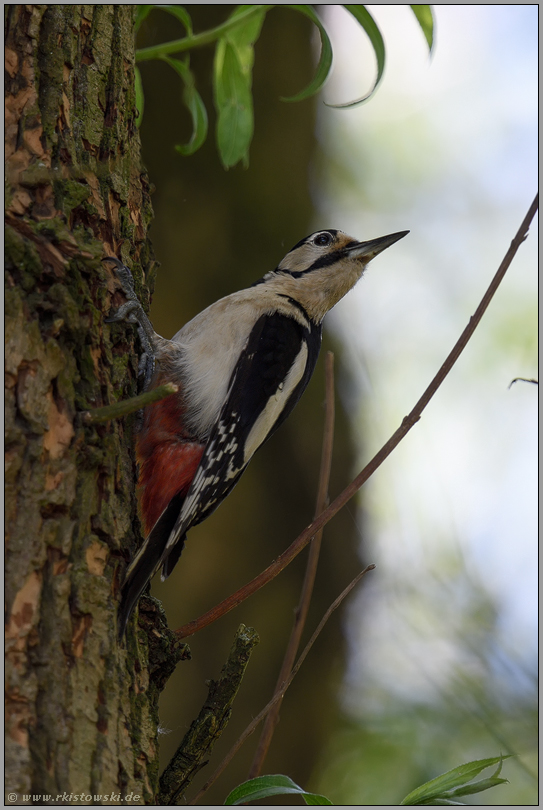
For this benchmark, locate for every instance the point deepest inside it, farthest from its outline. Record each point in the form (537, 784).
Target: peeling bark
(81, 712)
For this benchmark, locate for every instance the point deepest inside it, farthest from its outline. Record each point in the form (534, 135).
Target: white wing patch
(206, 477)
(270, 374)
(275, 405)
(225, 443)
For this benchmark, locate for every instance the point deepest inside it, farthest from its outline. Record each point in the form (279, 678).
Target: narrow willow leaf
(362, 16)
(457, 777)
(142, 12)
(325, 61)
(234, 104)
(194, 104)
(482, 784)
(275, 785)
(140, 98)
(426, 21)
(477, 787)
(180, 13)
(315, 798)
(248, 32)
(243, 38)
(234, 58)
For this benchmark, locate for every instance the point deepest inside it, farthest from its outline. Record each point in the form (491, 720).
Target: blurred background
(432, 662)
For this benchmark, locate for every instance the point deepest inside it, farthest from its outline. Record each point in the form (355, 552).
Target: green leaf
(315, 798)
(265, 786)
(245, 35)
(183, 16)
(482, 784)
(140, 98)
(478, 787)
(443, 787)
(325, 61)
(179, 13)
(234, 58)
(426, 21)
(362, 16)
(193, 102)
(234, 104)
(141, 14)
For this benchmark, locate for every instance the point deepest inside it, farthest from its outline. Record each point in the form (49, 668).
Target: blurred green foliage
(444, 790)
(233, 69)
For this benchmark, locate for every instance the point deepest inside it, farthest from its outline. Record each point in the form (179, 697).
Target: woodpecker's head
(323, 267)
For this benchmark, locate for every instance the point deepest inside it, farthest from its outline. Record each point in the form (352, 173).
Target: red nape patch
(167, 470)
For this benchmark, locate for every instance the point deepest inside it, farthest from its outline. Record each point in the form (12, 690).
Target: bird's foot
(133, 312)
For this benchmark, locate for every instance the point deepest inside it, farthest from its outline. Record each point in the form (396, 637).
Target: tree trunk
(81, 709)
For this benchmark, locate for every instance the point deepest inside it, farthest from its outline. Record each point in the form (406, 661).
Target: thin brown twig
(310, 573)
(524, 379)
(278, 696)
(409, 421)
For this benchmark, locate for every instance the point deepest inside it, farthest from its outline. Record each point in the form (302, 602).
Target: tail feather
(149, 559)
(171, 560)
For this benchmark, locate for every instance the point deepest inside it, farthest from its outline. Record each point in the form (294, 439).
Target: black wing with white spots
(267, 382)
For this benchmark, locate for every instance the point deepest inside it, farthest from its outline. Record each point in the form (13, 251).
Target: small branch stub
(127, 406)
(204, 732)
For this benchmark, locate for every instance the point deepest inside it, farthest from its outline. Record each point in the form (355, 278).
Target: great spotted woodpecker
(241, 366)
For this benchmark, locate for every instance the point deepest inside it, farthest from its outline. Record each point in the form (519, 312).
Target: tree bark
(81, 709)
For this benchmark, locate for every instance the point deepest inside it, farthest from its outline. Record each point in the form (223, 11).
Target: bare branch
(310, 573)
(278, 696)
(523, 379)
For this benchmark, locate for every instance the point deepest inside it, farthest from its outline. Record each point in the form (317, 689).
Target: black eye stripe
(322, 261)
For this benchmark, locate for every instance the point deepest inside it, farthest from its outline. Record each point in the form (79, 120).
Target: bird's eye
(322, 239)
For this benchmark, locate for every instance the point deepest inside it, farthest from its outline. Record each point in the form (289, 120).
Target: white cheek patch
(274, 406)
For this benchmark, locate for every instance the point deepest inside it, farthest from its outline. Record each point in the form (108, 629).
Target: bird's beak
(367, 250)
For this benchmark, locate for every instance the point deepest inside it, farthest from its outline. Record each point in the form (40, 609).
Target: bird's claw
(126, 312)
(133, 312)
